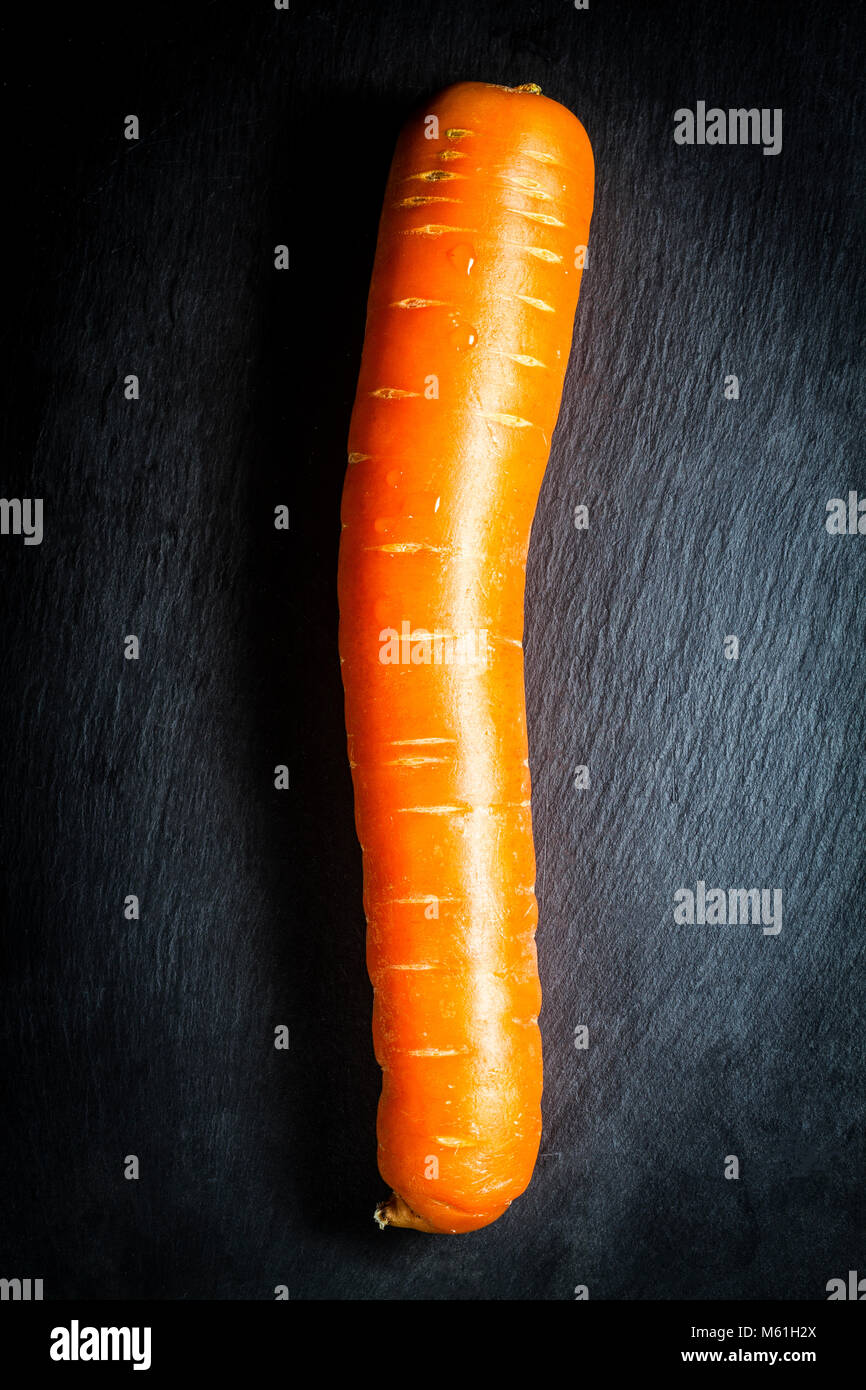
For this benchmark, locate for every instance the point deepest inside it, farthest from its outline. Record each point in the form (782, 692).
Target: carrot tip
(524, 87)
(395, 1212)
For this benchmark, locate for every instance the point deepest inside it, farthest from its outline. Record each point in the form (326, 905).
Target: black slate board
(155, 777)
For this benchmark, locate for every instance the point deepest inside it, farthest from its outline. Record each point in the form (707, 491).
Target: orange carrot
(469, 325)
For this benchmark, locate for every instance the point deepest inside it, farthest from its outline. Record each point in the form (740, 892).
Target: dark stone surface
(154, 1037)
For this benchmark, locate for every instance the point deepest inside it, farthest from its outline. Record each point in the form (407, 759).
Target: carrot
(469, 324)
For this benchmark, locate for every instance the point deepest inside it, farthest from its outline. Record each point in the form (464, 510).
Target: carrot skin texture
(469, 325)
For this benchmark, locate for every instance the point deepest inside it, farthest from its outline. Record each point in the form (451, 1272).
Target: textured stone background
(155, 1038)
